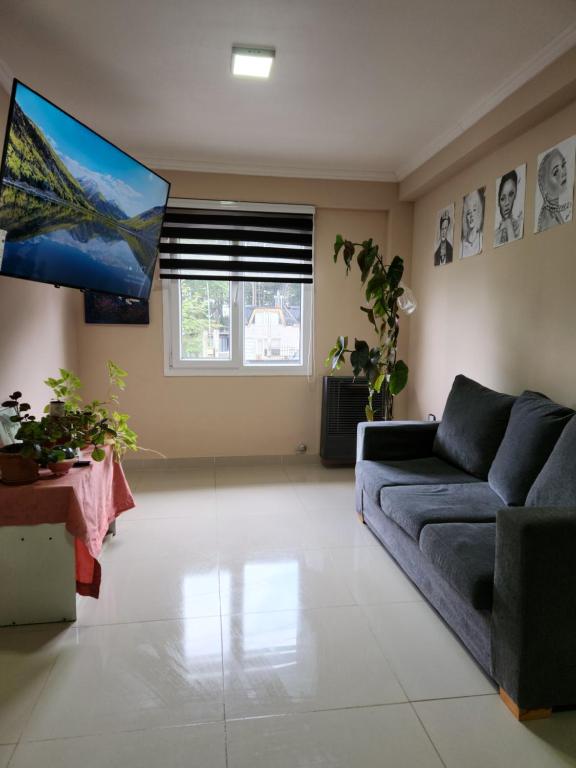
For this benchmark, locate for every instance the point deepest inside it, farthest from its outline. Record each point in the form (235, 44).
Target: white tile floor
(248, 620)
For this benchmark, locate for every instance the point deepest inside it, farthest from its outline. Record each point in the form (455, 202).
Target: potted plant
(98, 423)
(385, 296)
(41, 443)
(18, 461)
(54, 439)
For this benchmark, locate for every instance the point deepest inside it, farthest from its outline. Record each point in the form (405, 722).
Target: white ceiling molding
(533, 67)
(6, 76)
(337, 174)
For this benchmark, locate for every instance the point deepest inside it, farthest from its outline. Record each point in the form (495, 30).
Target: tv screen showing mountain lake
(77, 210)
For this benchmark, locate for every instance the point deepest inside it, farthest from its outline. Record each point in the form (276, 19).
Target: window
(235, 326)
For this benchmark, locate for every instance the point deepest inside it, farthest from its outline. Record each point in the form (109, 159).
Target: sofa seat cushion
(464, 554)
(372, 476)
(413, 507)
(535, 425)
(555, 486)
(472, 427)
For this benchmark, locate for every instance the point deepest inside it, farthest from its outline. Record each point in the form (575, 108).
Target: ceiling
(361, 90)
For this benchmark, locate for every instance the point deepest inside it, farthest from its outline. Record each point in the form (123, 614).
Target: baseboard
(204, 462)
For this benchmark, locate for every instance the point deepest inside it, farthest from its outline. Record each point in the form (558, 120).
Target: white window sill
(257, 370)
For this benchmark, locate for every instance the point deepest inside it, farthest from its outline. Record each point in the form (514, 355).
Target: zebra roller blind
(235, 244)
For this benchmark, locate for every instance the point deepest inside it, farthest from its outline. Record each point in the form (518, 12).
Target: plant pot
(57, 408)
(17, 470)
(61, 468)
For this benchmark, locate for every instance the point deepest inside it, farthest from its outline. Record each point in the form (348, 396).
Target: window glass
(205, 320)
(272, 317)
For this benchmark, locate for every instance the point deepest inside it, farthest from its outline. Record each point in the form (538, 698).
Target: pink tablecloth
(87, 500)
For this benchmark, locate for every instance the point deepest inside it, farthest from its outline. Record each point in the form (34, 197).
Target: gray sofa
(479, 510)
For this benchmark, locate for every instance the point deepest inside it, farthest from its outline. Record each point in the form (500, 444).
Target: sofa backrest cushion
(473, 425)
(555, 486)
(535, 425)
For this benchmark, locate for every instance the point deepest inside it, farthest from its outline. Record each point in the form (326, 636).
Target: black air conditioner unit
(343, 402)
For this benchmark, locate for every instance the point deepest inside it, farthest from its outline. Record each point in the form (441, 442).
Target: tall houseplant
(385, 296)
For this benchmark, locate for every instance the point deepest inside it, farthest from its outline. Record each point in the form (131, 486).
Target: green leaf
(336, 359)
(338, 246)
(98, 454)
(370, 312)
(369, 413)
(398, 377)
(348, 254)
(360, 358)
(375, 286)
(328, 360)
(395, 272)
(116, 375)
(372, 373)
(379, 381)
(366, 259)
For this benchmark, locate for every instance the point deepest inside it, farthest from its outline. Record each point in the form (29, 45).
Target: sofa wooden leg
(360, 516)
(524, 714)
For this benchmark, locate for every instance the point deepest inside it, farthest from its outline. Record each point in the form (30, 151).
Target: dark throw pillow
(473, 425)
(535, 425)
(555, 486)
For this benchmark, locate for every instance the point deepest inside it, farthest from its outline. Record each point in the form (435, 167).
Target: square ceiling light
(252, 62)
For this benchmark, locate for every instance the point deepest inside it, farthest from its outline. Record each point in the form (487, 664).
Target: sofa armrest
(395, 440)
(534, 608)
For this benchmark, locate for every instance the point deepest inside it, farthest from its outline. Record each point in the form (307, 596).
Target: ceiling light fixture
(252, 62)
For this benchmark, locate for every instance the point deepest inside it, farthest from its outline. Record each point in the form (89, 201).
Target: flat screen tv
(75, 210)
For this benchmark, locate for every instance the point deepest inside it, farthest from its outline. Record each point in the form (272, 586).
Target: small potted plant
(47, 442)
(18, 461)
(61, 459)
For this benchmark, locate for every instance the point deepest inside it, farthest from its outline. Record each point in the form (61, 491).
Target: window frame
(174, 366)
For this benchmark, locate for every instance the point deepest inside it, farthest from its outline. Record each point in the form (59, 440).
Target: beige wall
(541, 97)
(347, 195)
(38, 329)
(211, 416)
(43, 330)
(506, 317)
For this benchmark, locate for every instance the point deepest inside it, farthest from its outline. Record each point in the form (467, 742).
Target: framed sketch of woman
(509, 211)
(472, 223)
(444, 236)
(555, 186)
